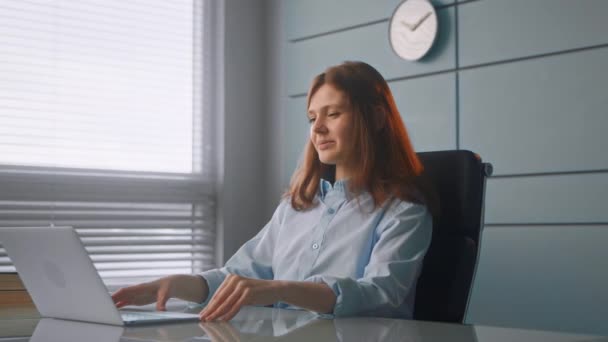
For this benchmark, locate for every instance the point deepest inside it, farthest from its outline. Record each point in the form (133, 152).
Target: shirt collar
(339, 187)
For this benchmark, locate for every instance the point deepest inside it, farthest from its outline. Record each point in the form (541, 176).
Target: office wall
(523, 83)
(245, 164)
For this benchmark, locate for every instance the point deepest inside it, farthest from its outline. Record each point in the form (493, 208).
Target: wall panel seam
(550, 173)
(465, 2)
(545, 224)
(339, 30)
(457, 78)
(356, 26)
(532, 57)
(395, 79)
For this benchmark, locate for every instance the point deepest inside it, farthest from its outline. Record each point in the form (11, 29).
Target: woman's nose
(319, 126)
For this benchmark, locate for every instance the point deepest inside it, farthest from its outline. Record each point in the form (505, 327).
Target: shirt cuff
(214, 279)
(341, 308)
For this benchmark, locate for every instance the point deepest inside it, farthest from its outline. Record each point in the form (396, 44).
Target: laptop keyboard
(136, 316)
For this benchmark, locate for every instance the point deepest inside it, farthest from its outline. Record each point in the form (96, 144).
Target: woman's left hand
(237, 291)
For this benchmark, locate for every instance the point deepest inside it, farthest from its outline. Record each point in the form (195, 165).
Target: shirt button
(315, 246)
(331, 211)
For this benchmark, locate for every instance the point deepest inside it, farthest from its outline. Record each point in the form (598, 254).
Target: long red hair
(387, 165)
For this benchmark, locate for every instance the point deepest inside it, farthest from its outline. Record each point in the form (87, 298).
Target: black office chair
(458, 179)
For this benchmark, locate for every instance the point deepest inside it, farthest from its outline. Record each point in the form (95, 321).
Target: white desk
(267, 324)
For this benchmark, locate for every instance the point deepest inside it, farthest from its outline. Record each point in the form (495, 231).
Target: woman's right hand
(158, 291)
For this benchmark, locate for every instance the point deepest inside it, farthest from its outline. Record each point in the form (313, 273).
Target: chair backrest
(458, 179)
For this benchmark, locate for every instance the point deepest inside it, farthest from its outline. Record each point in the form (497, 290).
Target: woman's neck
(340, 176)
(342, 173)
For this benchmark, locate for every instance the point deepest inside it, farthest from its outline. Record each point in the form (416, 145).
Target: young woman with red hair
(350, 235)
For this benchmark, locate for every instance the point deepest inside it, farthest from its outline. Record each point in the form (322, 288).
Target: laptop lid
(59, 274)
(63, 282)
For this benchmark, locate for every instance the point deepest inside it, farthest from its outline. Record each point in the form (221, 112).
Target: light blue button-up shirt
(370, 257)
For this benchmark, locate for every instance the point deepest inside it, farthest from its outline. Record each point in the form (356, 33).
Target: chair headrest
(458, 179)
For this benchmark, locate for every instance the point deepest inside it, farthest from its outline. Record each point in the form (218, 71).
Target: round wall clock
(413, 29)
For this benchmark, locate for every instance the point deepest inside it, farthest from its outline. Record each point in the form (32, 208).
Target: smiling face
(356, 127)
(331, 128)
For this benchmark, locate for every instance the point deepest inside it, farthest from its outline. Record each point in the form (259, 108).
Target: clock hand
(410, 27)
(416, 24)
(420, 21)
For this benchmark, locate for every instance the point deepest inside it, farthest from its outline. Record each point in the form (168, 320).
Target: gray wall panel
(540, 115)
(427, 106)
(370, 44)
(575, 198)
(500, 30)
(275, 90)
(551, 278)
(244, 128)
(312, 17)
(296, 127)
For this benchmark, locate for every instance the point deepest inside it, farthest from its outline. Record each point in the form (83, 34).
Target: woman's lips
(325, 145)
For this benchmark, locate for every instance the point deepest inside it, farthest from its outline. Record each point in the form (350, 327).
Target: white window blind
(105, 125)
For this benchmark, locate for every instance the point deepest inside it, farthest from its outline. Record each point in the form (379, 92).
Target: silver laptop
(62, 281)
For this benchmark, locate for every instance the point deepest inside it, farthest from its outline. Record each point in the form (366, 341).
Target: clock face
(413, 28)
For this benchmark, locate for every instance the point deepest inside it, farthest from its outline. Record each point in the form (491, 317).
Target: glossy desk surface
(267, 324)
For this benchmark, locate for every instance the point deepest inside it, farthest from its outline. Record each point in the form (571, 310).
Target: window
(106, 126)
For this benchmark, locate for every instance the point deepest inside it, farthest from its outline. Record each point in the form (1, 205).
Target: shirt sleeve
(392, 272)
(252, 260)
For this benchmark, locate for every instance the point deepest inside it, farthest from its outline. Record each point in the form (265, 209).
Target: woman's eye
(311, 120)
(334, 114)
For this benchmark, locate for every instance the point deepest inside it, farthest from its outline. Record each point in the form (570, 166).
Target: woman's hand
(186, 287)
(237, 291)
(158, 291)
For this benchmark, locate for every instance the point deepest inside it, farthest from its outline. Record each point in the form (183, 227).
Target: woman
(351, 233)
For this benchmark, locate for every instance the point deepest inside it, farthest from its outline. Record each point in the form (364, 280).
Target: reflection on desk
(59, 330)
(250, 322)
(268, 324)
